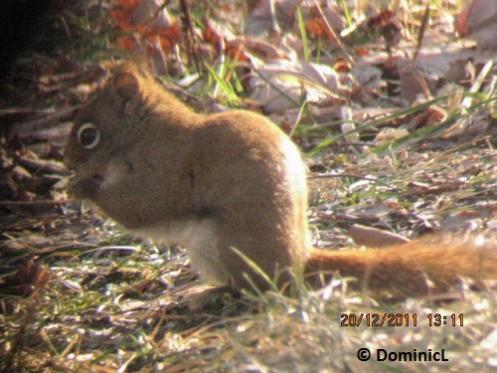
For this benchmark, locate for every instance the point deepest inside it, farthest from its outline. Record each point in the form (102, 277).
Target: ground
(77, 293)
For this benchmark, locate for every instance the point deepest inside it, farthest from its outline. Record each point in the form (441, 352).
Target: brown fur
(233, 180)
(426, 266)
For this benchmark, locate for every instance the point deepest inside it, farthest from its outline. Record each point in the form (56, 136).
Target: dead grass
(76, 294)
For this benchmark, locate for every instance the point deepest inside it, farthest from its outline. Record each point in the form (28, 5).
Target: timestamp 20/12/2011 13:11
(374, 319)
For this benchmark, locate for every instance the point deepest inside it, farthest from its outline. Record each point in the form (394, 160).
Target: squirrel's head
(100, 129)
(114, 146)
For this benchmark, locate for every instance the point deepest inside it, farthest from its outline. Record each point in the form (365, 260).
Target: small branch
(333, 33)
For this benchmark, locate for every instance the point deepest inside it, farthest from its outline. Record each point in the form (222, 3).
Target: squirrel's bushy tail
(426, 266)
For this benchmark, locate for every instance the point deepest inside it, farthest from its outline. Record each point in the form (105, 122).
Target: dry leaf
(430, 117)
(467, 128)
(281, 85)
(388, 134)
(269, 15)
(30, 276)
(374, 237)
(479, 22)
(413, 83)
(436, 187)
(151, 13)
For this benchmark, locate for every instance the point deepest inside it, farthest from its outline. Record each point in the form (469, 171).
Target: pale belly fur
(199, 238)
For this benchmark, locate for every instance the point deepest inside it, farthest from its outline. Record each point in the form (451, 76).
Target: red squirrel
(231, 188)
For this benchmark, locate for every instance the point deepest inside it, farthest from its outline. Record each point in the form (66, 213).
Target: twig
(424, 23)
(334, 34)
(324, 176)
(189, 33)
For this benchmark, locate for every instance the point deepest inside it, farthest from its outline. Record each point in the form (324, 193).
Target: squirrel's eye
(88, 135)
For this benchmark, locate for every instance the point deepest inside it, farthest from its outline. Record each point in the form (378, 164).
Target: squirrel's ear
(126, 85)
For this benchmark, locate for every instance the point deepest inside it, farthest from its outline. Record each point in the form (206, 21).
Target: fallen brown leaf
(374, 237)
